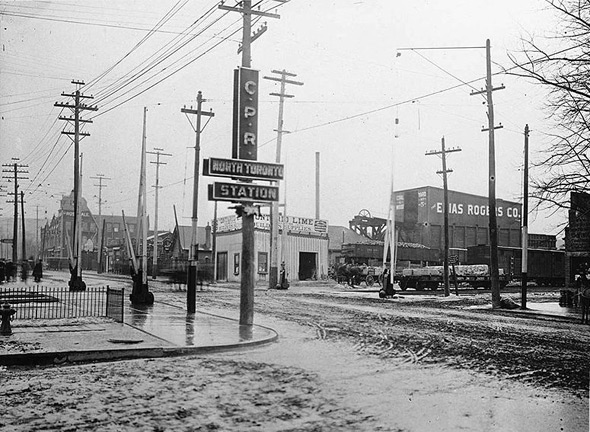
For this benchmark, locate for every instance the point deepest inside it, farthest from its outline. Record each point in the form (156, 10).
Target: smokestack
(317, 185)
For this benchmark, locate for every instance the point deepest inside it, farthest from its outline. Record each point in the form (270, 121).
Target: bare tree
(565, 73)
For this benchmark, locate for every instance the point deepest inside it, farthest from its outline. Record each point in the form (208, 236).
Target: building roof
(185, 233)
(338, 235)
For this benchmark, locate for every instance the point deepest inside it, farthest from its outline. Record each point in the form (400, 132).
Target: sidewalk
(159, 330)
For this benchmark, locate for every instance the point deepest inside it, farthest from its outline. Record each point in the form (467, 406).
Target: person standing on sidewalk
(38, 271)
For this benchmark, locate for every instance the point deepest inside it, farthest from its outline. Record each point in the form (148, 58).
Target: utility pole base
(76, 283)
(140, 293)
(191, 289)
(273, 278)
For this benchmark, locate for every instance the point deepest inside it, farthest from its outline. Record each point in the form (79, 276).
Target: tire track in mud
(544, 353)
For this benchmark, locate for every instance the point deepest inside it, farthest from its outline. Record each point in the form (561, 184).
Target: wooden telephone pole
(247, 211)
(274, 208)
(100, 178)
(77, 107)
(443, 154)
(17, 172)
(493, 221)
(158, 152)
(525, 219)
(191, 284)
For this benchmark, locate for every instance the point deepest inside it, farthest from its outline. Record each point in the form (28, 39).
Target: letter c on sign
(250, 87)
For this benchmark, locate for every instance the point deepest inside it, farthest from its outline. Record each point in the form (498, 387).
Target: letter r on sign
(249, 138)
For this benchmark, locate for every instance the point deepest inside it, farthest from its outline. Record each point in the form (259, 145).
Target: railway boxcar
(545, 266)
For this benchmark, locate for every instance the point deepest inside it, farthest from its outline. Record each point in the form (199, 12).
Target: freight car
(476, 276)
(546, 267)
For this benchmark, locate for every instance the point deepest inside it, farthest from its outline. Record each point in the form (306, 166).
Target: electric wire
(124, 82)
(158, 25)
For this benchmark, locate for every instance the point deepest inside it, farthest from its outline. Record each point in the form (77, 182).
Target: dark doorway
(307, 265)
(222, 266)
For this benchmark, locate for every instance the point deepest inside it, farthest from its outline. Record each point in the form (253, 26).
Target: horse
(348, 273)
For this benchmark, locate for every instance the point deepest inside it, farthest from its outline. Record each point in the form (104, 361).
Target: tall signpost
(245, 146)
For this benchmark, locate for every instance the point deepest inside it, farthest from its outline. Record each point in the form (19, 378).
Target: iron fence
(41, 302)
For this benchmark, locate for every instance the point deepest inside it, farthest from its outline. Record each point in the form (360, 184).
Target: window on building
(131, 228)
(109, 227)
(116, 228)
(262, 262)
(236, 264)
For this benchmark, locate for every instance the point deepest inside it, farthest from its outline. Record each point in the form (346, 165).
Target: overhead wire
(128, 78)
(167, 54)
(173, 11)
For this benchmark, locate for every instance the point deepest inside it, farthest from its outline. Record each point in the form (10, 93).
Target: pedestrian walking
(25, 271)
(38, 271)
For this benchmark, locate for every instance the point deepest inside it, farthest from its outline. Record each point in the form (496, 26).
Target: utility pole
(100, 178)
(18, 171)
(443, 154)
(191, 283)
(22, 206)
(274, 208)
(247, 209)
(37, 229)
(158, 153)
(140, 293)
(493, 222)
(525, 220)
(77, 107)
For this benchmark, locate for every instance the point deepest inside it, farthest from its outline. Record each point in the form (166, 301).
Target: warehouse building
(303, 247)
(419, 216)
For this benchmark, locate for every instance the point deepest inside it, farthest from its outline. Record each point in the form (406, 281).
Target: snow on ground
(301, 383)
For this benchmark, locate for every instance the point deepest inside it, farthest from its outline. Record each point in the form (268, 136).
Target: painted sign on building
(295, 225)
(427, 205)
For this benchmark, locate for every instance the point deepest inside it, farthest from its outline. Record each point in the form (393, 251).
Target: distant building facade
(304, 247)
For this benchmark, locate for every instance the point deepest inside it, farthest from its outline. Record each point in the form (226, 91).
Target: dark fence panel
(39, 302)
(115, 307)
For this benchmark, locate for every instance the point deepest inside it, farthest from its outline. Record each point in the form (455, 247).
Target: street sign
(242, 168)
(245, 124)
(6, 240)
(242, 192)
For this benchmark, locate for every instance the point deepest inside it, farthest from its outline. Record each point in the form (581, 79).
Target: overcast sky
(356, 86)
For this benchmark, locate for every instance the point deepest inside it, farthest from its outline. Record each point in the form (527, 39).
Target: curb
(538, 315)
(86, 356)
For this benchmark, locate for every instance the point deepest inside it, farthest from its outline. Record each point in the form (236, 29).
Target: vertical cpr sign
(245, 127)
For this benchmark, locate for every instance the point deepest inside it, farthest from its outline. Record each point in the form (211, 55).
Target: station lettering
(248, 192)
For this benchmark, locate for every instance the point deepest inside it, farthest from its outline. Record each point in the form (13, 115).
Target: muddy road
(459, 332)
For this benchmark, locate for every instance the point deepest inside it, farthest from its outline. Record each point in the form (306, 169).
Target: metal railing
(40, 302)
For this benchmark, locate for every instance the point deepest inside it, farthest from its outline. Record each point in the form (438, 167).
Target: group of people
(9, 271)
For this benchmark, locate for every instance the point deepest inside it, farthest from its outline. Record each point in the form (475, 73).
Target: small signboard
(242, 168)
(243, 192)
(6, 240)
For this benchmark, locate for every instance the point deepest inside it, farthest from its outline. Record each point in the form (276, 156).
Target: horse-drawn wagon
(356, 275)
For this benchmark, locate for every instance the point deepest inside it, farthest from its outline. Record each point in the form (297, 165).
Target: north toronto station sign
(243, 166)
